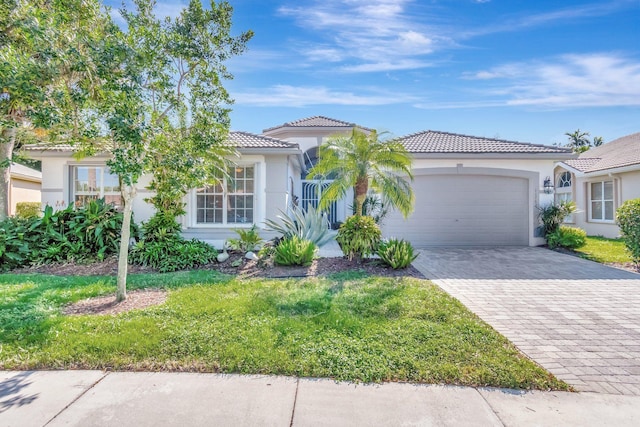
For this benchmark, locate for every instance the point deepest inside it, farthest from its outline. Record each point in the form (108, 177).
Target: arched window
(564, 180)
(564, 192)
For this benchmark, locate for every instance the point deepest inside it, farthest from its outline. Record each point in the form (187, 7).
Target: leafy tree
(45, 73)
(362, 161)
(579, 141)
(164, 104)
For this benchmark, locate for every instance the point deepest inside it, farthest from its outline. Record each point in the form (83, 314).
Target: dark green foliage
(295, 251)
(83, 233)
(628, 219)
(567, 237)
(359, 237)
(27, 209)
(248, 239)
(172, 254)
(554, 214)
(160, 226)
(396, 253)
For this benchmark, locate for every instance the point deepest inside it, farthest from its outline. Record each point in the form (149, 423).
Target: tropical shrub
(172, 254)
(76, 233)
(28, 209)
(295, 251)
(553, 215)
(567, 237)
(628, 219)
(307, 225)
(161, 226)
(396, 253)
(359, 237)
(248, 240)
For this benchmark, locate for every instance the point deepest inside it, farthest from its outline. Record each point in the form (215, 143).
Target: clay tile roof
(444, 142)
(317, 121)
(49, 147)
(618, 153)
(250, 140)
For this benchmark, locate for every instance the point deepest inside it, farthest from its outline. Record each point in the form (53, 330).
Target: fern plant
(359, 237)
(248, 240)
(310, 225)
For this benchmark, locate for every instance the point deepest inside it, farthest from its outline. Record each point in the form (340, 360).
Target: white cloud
(376, 35)
(301, 96)
(566, 81)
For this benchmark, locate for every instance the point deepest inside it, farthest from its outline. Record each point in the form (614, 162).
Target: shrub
(396, 253)
(248, 240)
(161, 226)
(358, 237)
(553, 215)
(28, 209)
(172, 254)
(83, 233)
(295, 251)
(307, 225)
(628, 219)
(567, 237)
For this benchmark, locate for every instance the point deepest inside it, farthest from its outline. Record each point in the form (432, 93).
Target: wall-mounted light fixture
(548, 185)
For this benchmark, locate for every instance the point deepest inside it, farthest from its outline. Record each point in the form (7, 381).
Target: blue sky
(520, 70)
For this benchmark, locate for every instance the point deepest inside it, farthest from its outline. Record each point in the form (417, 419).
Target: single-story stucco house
(599, 181)
(470, 191)
(24, 186)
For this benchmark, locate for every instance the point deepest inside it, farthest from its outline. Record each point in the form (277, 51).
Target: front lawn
(603, 250)
(349, 327)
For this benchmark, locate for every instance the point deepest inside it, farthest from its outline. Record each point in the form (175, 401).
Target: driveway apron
(578, 319)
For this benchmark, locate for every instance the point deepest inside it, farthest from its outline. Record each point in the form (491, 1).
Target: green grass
(601, 249)
(347, 327)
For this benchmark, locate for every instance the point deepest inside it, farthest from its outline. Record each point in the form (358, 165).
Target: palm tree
(578, 141)
(361, 161)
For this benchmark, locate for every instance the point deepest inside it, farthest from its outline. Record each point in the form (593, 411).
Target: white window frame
(225, 203)
(99, 192)
(603, 200)
(565, 193)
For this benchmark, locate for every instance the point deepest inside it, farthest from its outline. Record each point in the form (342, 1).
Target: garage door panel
(465, 210)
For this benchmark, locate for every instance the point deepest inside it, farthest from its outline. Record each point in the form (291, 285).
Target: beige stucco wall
(22, 190)
(626, 187)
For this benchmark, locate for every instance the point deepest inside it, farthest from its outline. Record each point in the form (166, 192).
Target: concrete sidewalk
(96, 398)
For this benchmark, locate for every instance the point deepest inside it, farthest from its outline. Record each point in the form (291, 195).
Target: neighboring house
(469, 190)
(24, 186)
(599, 181)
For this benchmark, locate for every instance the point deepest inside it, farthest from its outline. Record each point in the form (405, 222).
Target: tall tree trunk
(360, 193)
(7, 142)
(128, 193)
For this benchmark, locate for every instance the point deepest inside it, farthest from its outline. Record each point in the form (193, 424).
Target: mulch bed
(243, 268)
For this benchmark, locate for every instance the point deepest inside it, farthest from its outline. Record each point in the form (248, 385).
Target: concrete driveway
(578, 319)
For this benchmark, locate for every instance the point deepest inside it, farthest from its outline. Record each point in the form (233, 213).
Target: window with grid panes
(230, 201)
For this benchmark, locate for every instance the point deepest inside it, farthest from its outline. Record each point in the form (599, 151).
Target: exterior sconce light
(548, 185)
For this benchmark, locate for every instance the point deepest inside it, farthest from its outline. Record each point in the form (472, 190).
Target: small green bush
(359, 237)
(172, 254)
(396, 253)
(295, 251)
(628, 219)
(553, 215)
(248, 240)
(567, 237)
(28, 209)
(161, 226)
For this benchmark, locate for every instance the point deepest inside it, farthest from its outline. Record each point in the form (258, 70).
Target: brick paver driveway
(578, 319)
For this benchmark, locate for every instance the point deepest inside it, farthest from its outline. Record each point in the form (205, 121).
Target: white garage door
(464, 210)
